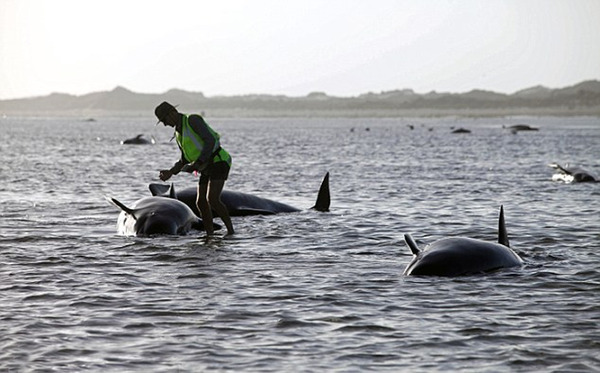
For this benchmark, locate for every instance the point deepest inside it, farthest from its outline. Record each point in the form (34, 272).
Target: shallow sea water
(304, 291)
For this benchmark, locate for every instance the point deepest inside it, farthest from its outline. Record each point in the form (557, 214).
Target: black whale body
(242, 204)
(570, 174)
(460, 256)
(138, 140)
(520, 128)
(156, 215)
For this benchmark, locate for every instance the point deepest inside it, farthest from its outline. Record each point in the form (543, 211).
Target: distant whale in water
(520, 127)
(569, 174)
(461, 130)
(459, 256)
(243, 204)
(138, 140)
(156, 215)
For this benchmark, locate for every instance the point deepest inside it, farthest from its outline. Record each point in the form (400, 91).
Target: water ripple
(302, 291)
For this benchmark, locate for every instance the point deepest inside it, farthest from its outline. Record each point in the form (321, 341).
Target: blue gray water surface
(304, 291)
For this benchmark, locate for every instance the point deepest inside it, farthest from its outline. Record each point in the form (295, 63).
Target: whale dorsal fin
(120, 205)
(172, 193)
(502, 234)
(158, 189)
(162, 190)
(412, 245)
(323, 199)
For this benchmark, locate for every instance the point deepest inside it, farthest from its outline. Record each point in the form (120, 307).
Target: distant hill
(580, 99)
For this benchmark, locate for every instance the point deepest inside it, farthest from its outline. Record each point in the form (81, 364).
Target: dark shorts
(215, 171)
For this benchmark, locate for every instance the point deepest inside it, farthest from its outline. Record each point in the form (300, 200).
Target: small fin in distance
(412, 245)
(502, 233)
(120, 205)
(323, 199)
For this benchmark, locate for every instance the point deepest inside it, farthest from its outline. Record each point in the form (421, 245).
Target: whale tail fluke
(412, 245)
(559, 168)
(121, 206)
(162, 190)
(502, 233)
(323, 199)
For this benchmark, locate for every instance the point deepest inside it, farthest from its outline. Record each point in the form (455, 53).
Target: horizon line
(295, 96)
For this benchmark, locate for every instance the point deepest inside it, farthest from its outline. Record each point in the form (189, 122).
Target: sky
(295, 47)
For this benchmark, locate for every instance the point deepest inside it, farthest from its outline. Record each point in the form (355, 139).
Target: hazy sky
(294, 47)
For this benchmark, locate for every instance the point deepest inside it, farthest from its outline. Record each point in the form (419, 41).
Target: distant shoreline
(582, 99)
(249, 113)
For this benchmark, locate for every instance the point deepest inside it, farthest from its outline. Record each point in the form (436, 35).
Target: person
(201, 151)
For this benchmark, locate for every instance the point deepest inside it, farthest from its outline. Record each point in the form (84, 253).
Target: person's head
(167, 114)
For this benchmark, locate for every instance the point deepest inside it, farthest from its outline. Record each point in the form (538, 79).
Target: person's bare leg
(204, 208)
(214, 199)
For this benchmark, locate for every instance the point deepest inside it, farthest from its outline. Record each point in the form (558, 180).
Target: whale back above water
(138, 140)
(570, 174)
(459, 256)
(242, 204)
(520, 128)
(156, 215)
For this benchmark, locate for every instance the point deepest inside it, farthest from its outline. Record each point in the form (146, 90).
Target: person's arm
(178, 165)
(165, 175)
(201, 128)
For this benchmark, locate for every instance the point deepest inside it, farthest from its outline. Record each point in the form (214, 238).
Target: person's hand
(165, 175)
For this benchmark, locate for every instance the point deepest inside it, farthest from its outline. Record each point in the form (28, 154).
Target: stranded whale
(519, 128)
(242, 204)
(458, 256)
(569, 174)
(156, 215)
(138, 140)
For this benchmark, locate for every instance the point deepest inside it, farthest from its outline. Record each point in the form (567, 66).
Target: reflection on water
(301, 291)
